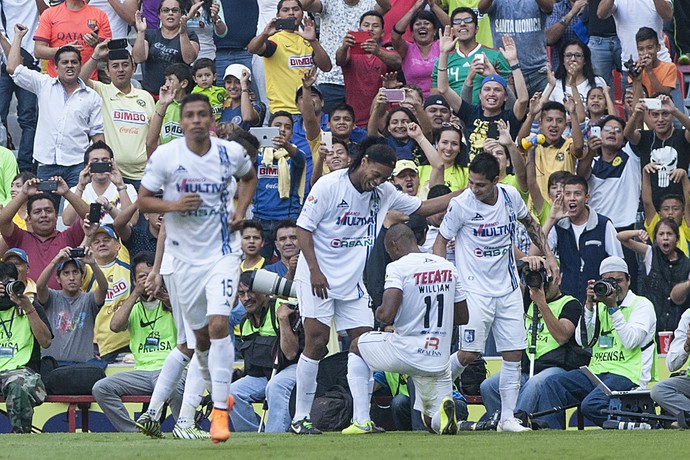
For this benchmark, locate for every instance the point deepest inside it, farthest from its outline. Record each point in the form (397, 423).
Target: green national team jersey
(216, 96)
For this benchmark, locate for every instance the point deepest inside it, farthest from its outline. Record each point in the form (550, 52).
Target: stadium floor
(590, 444)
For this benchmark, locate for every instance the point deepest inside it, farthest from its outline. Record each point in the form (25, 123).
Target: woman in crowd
(574, 69)
(171, 43)
(17, 183)
(205, 18)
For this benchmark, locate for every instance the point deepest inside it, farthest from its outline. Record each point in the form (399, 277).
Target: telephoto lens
(603, 288)
(15, 287)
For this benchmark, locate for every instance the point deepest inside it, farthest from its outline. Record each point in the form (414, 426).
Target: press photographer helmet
(265, 282)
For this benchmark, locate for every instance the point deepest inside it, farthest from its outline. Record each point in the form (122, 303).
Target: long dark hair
(460, 159)
(407, 111)
(587, 69)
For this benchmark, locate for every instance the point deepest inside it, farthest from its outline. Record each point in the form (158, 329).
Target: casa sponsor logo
(191, 185)
(492, 251)
(363, 241)
(353, 219)
(300, 62)
(129, 116)
(493, 229)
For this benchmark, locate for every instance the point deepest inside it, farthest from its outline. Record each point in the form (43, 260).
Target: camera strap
(8, 332)
(583, 328)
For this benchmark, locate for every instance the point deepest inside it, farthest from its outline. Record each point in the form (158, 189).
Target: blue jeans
(69, 173)
(606, 56)
(225, 57)
(332, 95)
(574, 387)
(535, 81)
(27, 116)
(248, 390)
(530, 389)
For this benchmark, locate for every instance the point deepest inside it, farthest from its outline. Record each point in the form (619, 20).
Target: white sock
(170, 374)
(436, 422)
(307, 369)
(456, 368)
(193, 392)
(221, 350)
(509, 387)
(202, 360)
(358, 375)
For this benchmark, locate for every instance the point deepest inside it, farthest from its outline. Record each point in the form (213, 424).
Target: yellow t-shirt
(19, 222)
(683, 230)
(454, 177)
(258, 265)
(126, 119)
(552, 158)
(283, 69)
(510, 179)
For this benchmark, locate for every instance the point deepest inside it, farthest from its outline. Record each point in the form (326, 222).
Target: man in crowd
(288, 249)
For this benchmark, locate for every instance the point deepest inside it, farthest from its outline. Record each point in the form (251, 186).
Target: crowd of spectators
(579, 101)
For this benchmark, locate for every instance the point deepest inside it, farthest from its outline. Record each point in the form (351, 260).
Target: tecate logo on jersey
(352, 242)
(491, 252)
(435, 276)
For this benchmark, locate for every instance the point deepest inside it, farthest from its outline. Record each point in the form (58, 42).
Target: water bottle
(534, 139)
(617, 425)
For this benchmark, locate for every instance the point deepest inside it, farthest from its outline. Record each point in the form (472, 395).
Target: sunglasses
(458, 21)
(455, 126)
(170, 10)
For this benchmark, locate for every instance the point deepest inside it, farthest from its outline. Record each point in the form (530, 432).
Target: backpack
(473, 376)
(332, 411)
(77, 379)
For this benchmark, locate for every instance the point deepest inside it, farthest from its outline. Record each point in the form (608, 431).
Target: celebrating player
(197, 174)
(483, 221)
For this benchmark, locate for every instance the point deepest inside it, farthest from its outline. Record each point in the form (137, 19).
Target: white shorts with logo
(208, 289)
(430, 387)
(505, 314)
(185, 334)
(348, 314)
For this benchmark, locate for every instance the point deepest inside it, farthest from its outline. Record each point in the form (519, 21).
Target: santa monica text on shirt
(511, 26)
(494, 230)
(352, 219)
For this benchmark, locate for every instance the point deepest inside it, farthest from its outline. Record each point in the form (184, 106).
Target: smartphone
(652, 103)
(595, 131)
(101, 167)
(95, 213)
(285, 24)
(394, 95)
(47, 186)
(360, 37)
(492, 131)
(77, 252)
(478, 57)
(265, 135)
(117, 44)
(327, 138)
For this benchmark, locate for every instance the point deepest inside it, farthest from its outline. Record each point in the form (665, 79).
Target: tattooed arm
(536, 234)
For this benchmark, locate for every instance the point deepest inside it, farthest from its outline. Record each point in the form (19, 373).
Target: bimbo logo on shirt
(138, 118)
(300, 62)
(267, 171)
(199, 186)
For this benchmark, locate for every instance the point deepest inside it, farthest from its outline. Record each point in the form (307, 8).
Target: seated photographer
(101, 182)
(72, 312)
(287, 246)
(24, 332)
(153, 335)
(19, 259)
(620, 328)
(553, 347)
(267, 321)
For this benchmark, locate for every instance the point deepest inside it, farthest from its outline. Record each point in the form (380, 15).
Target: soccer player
(197, 173)
(483, 222)
(420, 344)
(336, 229)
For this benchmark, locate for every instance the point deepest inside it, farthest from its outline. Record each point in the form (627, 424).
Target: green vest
(615, 358)
(267, 328)
(170, 129)
(152, 336)
(16, 340)
(545, 341)
(397, 383)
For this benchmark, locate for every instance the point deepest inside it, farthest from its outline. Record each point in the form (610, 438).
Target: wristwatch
(613, 310)
(563, 21)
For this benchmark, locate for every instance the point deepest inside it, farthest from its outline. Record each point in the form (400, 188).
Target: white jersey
(201, 236)
(424, 322)
(344, 224)
(484, 236)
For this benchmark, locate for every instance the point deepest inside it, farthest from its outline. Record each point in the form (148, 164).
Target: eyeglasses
(455, 126)
(573, 55)
(170, 10)
(612, 129)
(458, 21)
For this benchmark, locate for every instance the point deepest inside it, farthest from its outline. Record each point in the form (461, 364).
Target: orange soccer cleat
(220, 432)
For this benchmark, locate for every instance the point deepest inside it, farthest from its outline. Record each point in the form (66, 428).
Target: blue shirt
(235, 115)
(241, 27)
(278, 268)
(267, 202)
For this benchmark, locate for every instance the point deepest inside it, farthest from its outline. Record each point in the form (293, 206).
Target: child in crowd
(204, 74)
(252, 242)
(165, 124)
(238, 106)
(330, 160)
(658, 77)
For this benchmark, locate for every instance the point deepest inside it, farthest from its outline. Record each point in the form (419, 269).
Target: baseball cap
(236, 71)
(402, 165)
(108, 230)
(76, 262)
(314, 90)
(613, 264)
(15, 252)
(436, 99)
(497, 78)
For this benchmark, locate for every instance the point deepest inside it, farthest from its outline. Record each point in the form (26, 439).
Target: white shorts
(348, 314)
(185, 334)
(204, 290)
(430, 387)
(506, 315)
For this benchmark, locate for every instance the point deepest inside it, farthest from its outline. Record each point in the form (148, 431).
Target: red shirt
(41, 253)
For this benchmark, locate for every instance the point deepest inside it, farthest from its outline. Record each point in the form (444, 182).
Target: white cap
(236, 71)
(613, 264)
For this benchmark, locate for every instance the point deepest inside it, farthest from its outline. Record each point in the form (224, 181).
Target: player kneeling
(424, 301)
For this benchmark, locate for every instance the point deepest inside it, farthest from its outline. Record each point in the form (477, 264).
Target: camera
(265, 282)
(632, 68)
(77, 252)
(605, 287)
(535, 279)
(14, 287)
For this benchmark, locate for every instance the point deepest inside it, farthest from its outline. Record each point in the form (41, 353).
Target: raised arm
(399, 43)
(626, 237)
(516, 159)
(42, 291)
(646, 195)
(539, 240)
(189, 49)
(509, 52)
(14, 58)
(634, 124)
(120, 320)
(312, 126)
(577, 147)
(377, 114)
(140, 49)
(321, 59)
(446, 46)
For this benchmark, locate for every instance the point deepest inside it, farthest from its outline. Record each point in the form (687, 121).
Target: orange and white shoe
(220, 431)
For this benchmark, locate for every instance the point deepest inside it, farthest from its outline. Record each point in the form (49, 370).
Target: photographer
(620, 328)
(267, 329)
(23, 333)
(556, 350)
